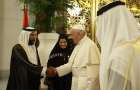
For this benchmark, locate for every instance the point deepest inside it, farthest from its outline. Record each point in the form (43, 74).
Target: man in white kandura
(83, 63)
(120, 64)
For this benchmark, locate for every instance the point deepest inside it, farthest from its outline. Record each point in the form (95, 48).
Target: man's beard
(31, 42)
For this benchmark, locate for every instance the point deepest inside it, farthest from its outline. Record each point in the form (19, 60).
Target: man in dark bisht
(59, 56)
(25, 68)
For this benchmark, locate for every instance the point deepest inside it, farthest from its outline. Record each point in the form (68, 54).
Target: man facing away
(120, 64)
(25, 68)
(83, 63)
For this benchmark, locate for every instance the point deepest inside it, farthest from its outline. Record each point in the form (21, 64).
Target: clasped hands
(51, 72)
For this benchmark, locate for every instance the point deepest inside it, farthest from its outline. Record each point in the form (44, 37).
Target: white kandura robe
(114, 27)
(124, 68)
(30, 49)
(84, 65)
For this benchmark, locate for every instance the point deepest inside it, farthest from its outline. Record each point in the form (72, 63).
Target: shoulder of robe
(126, 50)
(17, 47)
(90, 42)
(126, 47)
(93, 45)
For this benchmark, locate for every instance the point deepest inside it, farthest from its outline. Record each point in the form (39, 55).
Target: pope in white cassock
(83, 63)
(117, 30)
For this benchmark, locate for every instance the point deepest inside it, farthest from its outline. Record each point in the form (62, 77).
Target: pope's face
(75, 36)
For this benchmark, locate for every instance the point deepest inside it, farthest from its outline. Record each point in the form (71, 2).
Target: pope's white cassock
(120, 60)
(84, 65)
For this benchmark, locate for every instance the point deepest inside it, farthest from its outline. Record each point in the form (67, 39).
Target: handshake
(51, 72)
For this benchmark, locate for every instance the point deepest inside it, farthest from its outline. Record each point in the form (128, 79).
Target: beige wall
(10, 24)
(1, 29)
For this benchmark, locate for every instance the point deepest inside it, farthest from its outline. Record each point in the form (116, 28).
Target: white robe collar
(82, 40)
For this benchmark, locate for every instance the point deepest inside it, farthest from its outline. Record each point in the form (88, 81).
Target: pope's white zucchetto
(78, 27)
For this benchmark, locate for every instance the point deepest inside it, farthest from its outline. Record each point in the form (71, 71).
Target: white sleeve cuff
(43, 73)
(64, 69)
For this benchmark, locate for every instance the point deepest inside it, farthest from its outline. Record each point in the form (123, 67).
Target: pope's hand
(51, 72)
